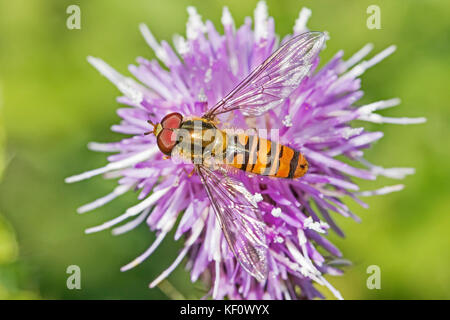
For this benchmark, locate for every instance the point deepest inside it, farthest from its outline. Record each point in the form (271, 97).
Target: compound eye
(166, 141)
(172, 121)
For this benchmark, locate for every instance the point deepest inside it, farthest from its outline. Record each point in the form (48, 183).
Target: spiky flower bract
(316, 119)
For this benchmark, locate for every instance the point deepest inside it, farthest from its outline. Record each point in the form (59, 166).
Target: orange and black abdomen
(265, 157)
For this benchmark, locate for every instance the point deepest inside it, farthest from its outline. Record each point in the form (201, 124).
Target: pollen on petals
(151, 41)
(300, 23)
(261, 16)
(181, 45)
(287, 121)
(227, 19)
(257, 197)
(276, 212)
(127, 86)
(318, 226)
(194, 26)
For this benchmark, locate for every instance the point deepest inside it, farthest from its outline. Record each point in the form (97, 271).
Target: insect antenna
(153, 125)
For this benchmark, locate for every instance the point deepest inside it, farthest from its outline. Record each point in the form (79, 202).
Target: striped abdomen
(265, 157)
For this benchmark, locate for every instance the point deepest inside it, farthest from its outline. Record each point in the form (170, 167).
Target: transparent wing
(274, 80)
(238, 216)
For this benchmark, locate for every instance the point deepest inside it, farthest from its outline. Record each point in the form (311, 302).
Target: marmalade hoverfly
(266, 88)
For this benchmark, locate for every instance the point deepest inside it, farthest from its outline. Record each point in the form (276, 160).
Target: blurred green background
(53, 103)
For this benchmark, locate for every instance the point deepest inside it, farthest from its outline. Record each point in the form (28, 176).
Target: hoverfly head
(164, 131)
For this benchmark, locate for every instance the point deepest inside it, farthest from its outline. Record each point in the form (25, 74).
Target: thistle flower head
(316, 119)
